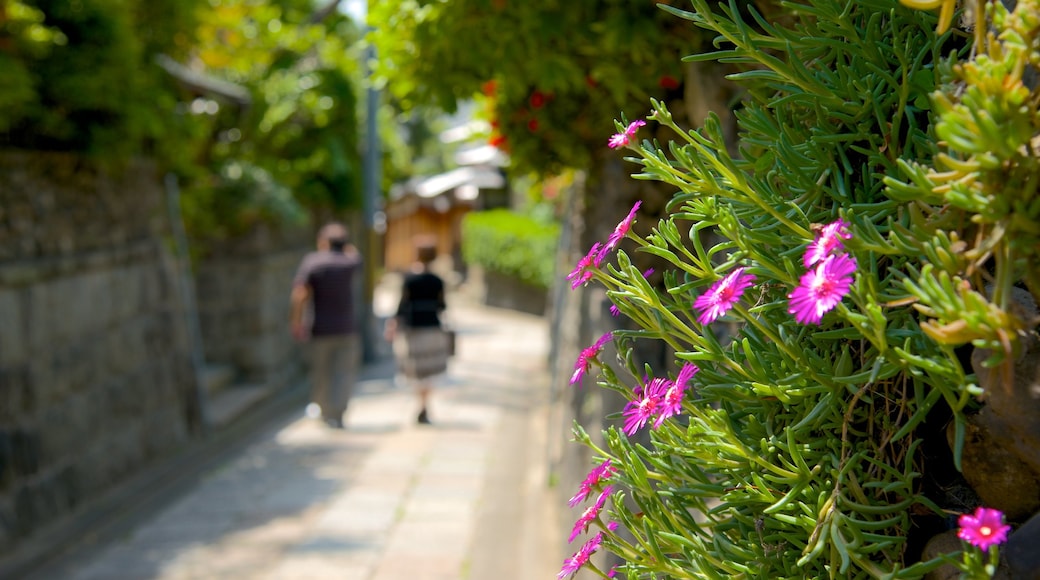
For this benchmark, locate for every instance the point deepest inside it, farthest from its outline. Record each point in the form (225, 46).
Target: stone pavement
(385, 499)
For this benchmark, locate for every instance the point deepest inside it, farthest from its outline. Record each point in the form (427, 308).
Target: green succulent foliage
(511, 243)
(797, 451)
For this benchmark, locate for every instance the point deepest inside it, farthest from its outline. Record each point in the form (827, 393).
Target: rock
(944, 543)
(948, 543)
(1010, 421)
(1021, 553)
(999, 477)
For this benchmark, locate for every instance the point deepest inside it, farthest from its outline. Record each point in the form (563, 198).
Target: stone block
(46, 381)
(12, 328)
(17, 399)
(45, 499)
(26, 451)
(37, 307)
(6, 460)
(94, 297)
(8, 526)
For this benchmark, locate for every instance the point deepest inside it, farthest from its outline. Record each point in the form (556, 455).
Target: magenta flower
(582, 273)
(827, 242)
(621, 229)
(822, 288)
(622, 139)
(671, 402)
(644, 407)
(722, 295)
(598, 475)
(584, 362)
(589, 515)
(581, 557)
(984, 528)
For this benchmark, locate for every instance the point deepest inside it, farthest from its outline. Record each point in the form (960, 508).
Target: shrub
(862, 236)
(242, 196)
(510, 243)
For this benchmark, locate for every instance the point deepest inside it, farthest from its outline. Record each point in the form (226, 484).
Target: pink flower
(828, 241)
(582, 273)
(644, 407)
(621, 229)
(581, 557)
(822, 288)
(584, 362)
(598, 475)
(671, 402)
(722, 295)
(984, 528)
(622, 139)
(589, 515)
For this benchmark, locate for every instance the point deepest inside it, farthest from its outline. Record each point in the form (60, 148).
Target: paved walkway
(385, 499)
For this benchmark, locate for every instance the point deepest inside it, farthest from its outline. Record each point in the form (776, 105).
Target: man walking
(325, 280)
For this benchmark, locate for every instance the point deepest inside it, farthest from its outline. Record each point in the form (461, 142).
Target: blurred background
(164, 164)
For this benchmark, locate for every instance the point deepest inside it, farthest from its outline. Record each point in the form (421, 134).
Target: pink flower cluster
(984, 528)
(829, 277)
(584, 362)
(581, 557)
(722, 295)
(589, 515)
(595, 478)
(583, 271)
(657, 400)
(626, 137)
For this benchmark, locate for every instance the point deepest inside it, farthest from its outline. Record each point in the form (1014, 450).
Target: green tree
(296, 144)
(554, 73)
(79, 75)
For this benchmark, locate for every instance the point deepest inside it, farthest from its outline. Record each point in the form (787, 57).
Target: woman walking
(419, 342)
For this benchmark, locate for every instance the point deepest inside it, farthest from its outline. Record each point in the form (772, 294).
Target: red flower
(537, 100)
(532, 125)
(497, 141)
(489, 88)
(668, 82)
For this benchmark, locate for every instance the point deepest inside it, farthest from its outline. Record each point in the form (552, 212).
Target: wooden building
(435, 206)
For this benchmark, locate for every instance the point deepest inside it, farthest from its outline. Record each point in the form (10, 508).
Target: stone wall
(243, 297)
(95, 370)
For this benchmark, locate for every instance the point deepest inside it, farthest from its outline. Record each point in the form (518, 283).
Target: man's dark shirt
(330, 277)
(422, 299)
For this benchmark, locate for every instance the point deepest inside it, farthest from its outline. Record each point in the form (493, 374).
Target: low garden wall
(95, 367)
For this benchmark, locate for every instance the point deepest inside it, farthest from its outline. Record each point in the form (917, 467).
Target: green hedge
(510, 243)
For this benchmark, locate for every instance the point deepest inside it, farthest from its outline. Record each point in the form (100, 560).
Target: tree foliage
(552, 73)
(78, 75)
(83, 76)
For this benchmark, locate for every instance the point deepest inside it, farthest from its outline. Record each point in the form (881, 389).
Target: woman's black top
(422, 300)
